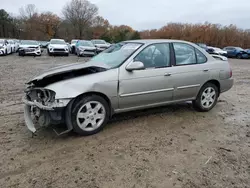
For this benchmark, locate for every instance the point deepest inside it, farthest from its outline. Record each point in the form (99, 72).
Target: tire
(201, 103)
(67, 54)
(84, 125)
(21, 53)
(239, 56)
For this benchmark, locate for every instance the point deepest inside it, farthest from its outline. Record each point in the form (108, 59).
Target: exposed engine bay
(41, 105)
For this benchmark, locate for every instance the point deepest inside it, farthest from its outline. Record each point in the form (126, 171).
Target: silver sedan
(128, 76)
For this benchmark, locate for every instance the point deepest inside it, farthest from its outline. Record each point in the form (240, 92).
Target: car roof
(151, 41)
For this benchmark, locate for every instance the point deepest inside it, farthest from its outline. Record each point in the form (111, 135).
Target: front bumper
(61, 51)
(47, 110)
(87, 52)
(29, 51)
(2, 52)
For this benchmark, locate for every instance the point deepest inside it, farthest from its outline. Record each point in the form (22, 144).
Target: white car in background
(5, 47)
(100, 45)
(217, 51)
(13, 45)
(58, 47)
(73, 45)
(29, 47)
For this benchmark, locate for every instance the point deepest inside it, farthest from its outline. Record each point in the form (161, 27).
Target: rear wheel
(207, 98)
(239, 56)
(89, 115)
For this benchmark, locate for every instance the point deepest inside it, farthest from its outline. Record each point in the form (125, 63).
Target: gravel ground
(172, 146)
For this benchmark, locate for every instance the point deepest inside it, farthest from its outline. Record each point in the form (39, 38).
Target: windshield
(74, 41)
(86, 43)
(238, 48)
(57, 42)
(29, 42)
(117, 54)
(99, 42)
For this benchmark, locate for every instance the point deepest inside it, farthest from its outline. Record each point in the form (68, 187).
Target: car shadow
(122, 117)
(186, 106)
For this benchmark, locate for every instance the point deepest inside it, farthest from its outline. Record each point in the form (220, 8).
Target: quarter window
(201, 58)
(184, 54)
(155, 56)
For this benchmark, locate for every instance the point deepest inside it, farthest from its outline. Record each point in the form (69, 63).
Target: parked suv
(58, 46)
(236, 52)
(85, 48)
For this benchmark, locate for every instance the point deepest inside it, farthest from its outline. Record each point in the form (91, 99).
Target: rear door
(190, 71)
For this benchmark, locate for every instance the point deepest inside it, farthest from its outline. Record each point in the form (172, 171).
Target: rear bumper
(226, 85)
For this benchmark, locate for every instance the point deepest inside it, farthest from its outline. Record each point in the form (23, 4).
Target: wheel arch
(215, 82)
(105, 97)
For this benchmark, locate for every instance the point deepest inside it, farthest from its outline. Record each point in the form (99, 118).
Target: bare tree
(28, 11)
(80, 13)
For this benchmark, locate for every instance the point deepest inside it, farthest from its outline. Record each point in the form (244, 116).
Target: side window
(184, 54)
(155, 56)
(201, 58)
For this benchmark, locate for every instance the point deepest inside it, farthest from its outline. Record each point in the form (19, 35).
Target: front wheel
(89, 115)
(239, 56)
(207, 98)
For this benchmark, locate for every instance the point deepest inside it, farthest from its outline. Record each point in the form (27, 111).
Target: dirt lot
(172, 146)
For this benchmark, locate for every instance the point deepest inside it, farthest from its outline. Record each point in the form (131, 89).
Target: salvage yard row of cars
(91, 48)
(54, 47)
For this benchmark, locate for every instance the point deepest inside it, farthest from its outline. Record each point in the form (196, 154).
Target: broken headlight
(40, 95)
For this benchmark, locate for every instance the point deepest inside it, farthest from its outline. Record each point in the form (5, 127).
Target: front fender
(104, 82)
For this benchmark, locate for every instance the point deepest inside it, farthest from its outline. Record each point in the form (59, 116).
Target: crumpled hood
(68, 68)
(28, 46)
(60, 46)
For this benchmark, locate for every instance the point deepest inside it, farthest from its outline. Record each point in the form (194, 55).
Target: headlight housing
(41, 95)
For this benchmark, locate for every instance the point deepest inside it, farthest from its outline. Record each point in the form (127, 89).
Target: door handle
(167, 74)
(205, 70)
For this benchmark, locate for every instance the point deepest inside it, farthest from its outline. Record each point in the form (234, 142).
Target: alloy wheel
(91, 116)
(208, 97)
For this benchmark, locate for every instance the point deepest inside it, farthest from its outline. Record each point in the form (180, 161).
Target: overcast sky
(149, 14)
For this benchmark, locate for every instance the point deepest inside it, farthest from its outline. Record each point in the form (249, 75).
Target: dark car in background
(236, 52)
(248, 52)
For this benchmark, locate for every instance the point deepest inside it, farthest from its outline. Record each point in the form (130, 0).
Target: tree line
(81, 21)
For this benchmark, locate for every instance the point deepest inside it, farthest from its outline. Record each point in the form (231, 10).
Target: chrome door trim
(189, 86)
(146, 92)
(116, 111)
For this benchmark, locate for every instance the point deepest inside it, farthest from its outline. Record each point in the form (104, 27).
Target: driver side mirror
(135, 65)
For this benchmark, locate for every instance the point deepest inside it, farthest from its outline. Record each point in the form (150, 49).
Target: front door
(150, 86)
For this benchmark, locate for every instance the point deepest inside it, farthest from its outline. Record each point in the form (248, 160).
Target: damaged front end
(41, 108)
